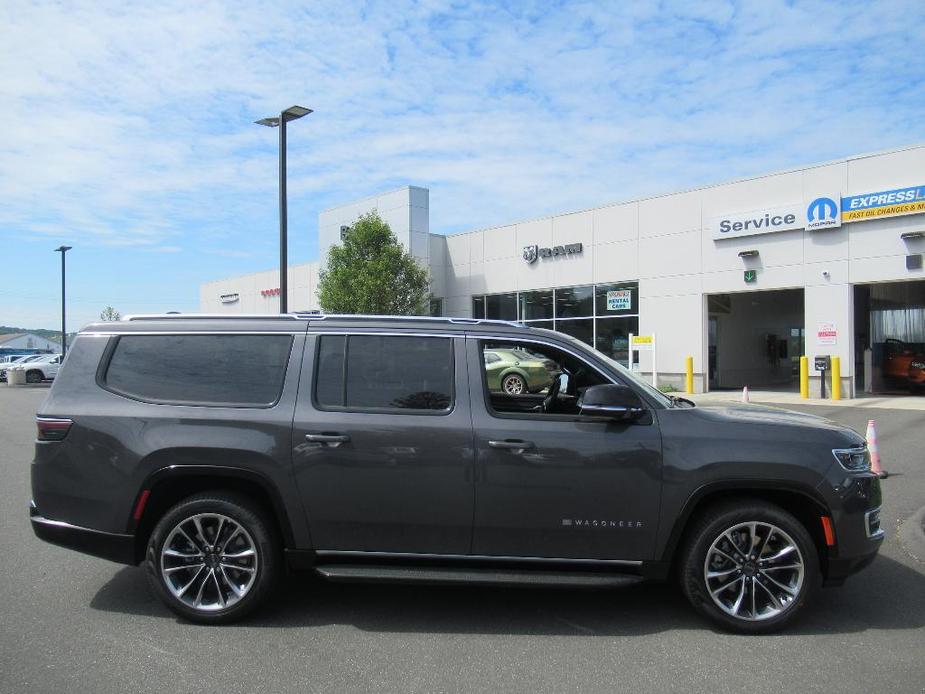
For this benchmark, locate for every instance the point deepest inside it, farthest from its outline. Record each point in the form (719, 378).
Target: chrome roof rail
(430, 319)
(227, 316)
(322, 317)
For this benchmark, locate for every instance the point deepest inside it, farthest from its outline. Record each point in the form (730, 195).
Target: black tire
(34, 376)
(259, 532)
(710, 527)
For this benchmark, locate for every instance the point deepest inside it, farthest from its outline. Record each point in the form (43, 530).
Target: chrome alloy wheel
(754, 571)
(209, 562)
(514, 385)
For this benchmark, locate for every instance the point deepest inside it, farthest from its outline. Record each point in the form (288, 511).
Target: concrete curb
(785, 400)
(911, 534)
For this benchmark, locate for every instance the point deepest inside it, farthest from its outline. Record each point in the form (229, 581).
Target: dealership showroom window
(603, 315)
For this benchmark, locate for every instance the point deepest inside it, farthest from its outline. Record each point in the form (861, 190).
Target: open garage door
(889, 321)
(756, 339)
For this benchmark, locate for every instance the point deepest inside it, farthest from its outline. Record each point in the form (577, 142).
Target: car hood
(750, 415)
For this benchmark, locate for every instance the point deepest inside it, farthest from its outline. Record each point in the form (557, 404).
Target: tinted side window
(385, 372)
(233, 370)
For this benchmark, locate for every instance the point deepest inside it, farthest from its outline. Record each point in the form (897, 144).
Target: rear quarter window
(217, 370)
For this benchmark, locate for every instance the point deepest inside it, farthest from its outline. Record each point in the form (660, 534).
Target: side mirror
(611, 400)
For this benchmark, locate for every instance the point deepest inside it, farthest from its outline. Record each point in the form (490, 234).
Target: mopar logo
(822, 213)
(821, 209)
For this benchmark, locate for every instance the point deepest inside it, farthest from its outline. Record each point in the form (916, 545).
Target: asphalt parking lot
(77, 624)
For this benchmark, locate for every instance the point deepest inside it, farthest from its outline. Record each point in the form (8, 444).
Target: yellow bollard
(689, 378)
(836, 378)
(804, 377)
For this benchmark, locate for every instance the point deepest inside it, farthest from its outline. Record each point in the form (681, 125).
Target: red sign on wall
(269, 292)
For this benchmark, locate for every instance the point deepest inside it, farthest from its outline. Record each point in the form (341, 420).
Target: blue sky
(127, 130)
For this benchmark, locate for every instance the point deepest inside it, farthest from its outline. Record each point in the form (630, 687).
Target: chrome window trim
(128, 333)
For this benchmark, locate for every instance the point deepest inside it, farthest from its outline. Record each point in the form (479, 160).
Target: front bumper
(112, 546)
(856, 517)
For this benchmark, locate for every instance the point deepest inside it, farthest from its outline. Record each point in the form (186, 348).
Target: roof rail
(322, 317)
(194, 316)
(432, 319)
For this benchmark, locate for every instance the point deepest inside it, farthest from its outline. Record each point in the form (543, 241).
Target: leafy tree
(110, 315)
(371, 273)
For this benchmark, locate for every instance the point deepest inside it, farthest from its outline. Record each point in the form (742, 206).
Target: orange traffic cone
(872, 448)
(745, 394)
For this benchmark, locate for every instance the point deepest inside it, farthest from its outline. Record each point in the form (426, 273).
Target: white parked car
(17, 361)
(45, 368)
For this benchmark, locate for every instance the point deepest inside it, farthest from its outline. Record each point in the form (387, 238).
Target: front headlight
(918, 365)
(853, 459)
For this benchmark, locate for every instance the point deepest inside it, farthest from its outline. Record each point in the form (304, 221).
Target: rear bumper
(112, 546)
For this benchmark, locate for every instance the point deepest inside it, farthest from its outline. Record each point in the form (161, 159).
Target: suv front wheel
(213, 558)
(750, 566)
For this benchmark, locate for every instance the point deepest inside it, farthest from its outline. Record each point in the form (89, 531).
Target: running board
(355, 573)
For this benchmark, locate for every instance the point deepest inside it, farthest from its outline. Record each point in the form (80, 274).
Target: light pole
(62, 250)
(291, 113)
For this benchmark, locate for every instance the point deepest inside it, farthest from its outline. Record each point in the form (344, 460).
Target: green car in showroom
(516, 371)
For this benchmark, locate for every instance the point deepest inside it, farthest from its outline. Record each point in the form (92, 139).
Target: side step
(357, 573)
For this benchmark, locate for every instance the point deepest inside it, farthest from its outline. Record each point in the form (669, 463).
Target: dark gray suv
(220, 451)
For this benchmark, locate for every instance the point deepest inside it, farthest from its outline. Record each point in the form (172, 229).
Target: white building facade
(744, 277)
(13, 342)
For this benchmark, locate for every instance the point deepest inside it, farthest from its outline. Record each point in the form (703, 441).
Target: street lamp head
(295, 112)
(62, 249)
(290, 114)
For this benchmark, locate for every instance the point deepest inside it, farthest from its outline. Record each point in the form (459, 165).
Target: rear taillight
(52, 429)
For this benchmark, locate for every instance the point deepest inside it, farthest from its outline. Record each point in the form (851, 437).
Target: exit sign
(750, 276)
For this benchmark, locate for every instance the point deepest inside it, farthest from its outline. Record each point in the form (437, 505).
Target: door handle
(514, 445)
(331, 440)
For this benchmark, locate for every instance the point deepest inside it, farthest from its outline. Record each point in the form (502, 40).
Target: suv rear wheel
(750, 566)
(213, 558)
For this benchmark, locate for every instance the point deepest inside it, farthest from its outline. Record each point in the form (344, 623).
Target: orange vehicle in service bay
(903, 365)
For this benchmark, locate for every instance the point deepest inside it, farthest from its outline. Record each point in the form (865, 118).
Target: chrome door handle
(513, 445)
(332, 440)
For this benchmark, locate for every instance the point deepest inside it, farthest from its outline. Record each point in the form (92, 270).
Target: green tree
(370, 272)
(109, 315)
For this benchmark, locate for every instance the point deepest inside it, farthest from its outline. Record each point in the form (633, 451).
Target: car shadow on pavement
(888, 595)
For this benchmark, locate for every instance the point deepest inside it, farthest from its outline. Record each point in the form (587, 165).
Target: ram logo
(531, 253)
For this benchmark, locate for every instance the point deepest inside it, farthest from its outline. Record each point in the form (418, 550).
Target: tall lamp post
(62, 250)
(291, 113)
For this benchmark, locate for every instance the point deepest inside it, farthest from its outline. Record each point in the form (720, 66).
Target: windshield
(625, 373)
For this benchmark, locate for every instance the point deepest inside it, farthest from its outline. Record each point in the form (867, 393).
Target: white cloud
(130, 125)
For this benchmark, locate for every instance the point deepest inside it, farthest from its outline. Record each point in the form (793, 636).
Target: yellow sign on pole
(643, 340)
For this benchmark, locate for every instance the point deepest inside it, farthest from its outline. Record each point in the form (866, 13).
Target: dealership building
(744, 276)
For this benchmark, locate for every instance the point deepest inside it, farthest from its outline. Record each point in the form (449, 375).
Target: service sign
(759, 222)
(887, 203)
